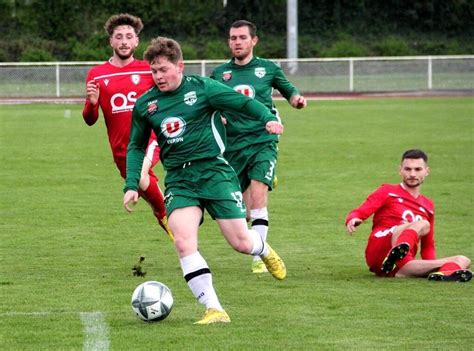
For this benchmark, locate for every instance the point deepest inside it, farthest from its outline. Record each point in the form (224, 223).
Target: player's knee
(462, 261)
(422, 227)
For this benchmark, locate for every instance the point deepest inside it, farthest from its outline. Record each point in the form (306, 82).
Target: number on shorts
(237, 195)
(269, 174)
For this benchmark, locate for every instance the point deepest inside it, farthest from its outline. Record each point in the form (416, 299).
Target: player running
(404, 219)
(115, 86)
(182, 111)
(250, 150)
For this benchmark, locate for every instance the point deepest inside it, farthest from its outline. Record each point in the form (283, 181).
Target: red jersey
(119, 88)
(391, 206)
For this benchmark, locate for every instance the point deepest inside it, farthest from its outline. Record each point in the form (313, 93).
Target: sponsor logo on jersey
(121, 102)
(135, 79)
(246, 90)
(190, 98)
(106, 81)
(152, 107)
(226, 76)
(260, 72)
(173, 128)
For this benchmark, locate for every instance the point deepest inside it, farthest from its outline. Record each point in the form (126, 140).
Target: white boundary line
(96, 331)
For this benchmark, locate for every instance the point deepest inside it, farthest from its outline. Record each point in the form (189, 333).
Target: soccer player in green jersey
(182, 111)
(250, 150)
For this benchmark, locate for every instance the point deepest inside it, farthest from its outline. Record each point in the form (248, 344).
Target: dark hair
(123, 19)
(242, 23)
(165, 47)
(415, 154)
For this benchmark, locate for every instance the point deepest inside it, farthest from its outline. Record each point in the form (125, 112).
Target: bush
(36, 55)
(393, 46)
(216, 49)
(345, 47)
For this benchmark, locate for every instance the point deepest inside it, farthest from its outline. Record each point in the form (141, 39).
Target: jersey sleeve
(90, 112)
(373, 202)
(139, 135)
(213, 75)
(428, 251)
(283, 85)
(224, 98)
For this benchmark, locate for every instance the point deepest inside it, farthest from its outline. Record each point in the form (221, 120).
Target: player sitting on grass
(403, 219)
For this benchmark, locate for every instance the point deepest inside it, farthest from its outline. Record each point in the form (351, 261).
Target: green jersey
(186, 123)
(256, 79)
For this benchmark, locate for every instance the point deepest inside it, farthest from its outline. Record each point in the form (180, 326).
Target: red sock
(409, 236)
(449, 267)
(154, 197)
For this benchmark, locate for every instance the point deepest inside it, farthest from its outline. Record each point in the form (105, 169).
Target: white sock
(260, 247)
(259, 220)
(199, 278)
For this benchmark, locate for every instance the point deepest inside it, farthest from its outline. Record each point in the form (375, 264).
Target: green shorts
(257, 162)
(210, 184)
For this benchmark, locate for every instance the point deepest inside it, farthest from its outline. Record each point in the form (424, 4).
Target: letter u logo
(172, 127)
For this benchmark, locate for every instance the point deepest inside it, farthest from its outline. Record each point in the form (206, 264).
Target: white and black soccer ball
(152, 301)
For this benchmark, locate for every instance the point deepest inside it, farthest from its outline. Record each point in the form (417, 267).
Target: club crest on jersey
(152, 107)
(260, 72)
(226, 76)
(190, 98)
(173, 128)
(135, 79)
(246, 90)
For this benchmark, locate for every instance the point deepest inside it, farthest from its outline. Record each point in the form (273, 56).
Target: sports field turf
(67, 246)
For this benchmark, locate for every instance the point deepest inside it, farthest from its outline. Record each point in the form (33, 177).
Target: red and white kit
(391, 206)
(119, 88)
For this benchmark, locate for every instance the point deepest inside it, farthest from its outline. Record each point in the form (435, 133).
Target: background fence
(311, 76)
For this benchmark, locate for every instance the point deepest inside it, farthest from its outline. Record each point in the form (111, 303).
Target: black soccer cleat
(396, 253)
(461, 276)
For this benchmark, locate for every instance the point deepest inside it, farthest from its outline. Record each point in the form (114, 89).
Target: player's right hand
(130, 199)
(352, 225)
(274, 127)
(93, 91)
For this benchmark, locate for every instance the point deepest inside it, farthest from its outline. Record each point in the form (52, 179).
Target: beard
(124, 56)
(243, 54)
(413, 183)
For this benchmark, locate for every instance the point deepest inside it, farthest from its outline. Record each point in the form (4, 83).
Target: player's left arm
(288, 90)
(224, 98)
(139, 136)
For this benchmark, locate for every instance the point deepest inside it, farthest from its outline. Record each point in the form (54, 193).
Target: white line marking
(95, 330)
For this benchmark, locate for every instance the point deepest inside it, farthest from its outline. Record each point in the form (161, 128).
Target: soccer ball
(152, 301)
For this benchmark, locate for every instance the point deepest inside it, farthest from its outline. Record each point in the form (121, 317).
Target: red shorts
(152, 153)
(378, 247)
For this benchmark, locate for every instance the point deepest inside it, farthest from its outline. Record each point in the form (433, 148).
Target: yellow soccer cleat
(274, 264)
(259, 267)
(164, 224)
(214, 316)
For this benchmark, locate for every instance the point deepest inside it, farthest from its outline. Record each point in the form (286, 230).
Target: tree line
(64, 30)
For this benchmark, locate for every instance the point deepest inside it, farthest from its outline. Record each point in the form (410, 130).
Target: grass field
(67, 246)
